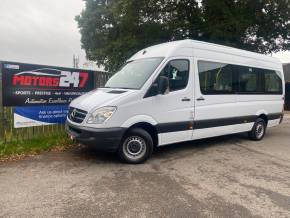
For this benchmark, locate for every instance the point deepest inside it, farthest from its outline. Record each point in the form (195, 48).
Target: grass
(34, 146)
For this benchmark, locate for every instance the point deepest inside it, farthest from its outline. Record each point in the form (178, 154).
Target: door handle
(185, 99)
(201, 98)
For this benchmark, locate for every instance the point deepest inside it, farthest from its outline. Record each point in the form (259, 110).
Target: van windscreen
(134, 74)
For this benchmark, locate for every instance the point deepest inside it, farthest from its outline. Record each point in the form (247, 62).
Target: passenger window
(177, 72)
(215, 78)
(273, 83)
(219, 78)
(248, 79)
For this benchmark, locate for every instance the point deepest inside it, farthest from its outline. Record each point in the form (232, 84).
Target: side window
(215, 78)
(219, 78)
(248, 79)
(177, 72)
(273, 83)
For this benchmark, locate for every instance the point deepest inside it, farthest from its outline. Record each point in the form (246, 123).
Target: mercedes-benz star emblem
(73, 113)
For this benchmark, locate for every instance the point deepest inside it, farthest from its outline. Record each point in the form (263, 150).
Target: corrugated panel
(286, 68)
(287, 96)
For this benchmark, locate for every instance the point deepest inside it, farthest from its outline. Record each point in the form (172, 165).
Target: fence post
(96, 79)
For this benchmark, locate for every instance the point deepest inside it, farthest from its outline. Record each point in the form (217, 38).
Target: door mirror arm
(163, 85)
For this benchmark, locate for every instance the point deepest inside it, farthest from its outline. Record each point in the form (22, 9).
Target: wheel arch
(148, 127)
(264, 117)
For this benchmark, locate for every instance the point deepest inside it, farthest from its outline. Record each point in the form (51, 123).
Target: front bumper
(107, 139)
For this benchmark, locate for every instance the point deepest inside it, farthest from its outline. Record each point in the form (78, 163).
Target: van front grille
(76, 115)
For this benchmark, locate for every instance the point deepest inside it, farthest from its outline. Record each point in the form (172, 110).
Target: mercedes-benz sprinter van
(180, 91)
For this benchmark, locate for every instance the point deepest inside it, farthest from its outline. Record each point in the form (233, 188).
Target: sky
(45, 32)
(283, 56)
(40, 31)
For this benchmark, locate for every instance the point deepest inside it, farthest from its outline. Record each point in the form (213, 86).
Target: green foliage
(113, 30)
(261, 25)
(33, 146)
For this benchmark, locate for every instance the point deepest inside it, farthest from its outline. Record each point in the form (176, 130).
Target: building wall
(286, 68)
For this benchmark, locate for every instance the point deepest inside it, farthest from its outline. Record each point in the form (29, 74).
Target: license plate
(72, 137)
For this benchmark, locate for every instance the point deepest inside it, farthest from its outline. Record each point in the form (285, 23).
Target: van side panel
(211, 110)
(220, 114)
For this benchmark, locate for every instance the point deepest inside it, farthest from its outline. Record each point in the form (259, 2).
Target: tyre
(136, 147)
(258, 131)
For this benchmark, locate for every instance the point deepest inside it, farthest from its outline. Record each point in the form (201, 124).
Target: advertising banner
(39, 115)
(31, 85)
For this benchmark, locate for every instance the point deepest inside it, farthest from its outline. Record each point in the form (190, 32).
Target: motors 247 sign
(28, 85)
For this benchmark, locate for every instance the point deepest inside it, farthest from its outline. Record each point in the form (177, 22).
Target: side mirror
(163, 85)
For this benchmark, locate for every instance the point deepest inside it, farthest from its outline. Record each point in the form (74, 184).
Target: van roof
(188, 46)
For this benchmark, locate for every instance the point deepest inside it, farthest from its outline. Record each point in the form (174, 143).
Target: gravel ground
(221, 177)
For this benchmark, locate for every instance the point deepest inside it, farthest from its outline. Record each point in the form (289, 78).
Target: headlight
(101, 115)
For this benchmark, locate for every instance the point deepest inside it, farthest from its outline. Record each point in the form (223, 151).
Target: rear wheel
(136, 147)
(258, 131)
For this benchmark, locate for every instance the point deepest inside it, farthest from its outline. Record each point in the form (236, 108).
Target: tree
(113, 30)
(261, 26)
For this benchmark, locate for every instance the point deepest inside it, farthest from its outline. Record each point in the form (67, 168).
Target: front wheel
(258, 131)
(136, 147)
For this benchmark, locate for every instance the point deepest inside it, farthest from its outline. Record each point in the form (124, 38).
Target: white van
(180, 91)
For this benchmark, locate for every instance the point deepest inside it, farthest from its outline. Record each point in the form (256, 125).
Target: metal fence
(9, 134)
